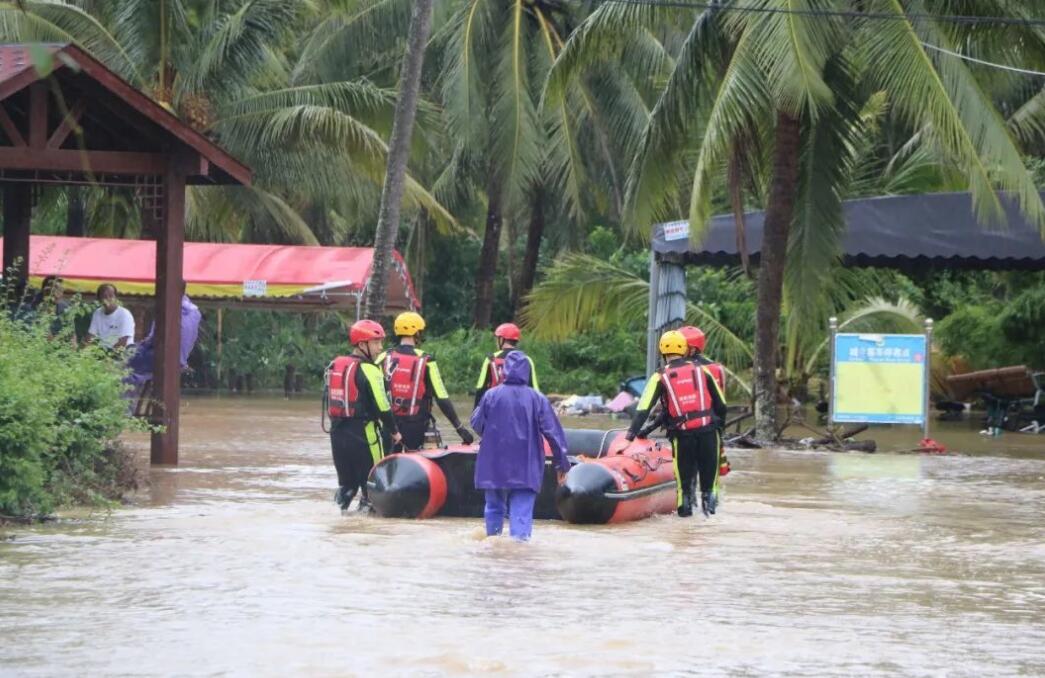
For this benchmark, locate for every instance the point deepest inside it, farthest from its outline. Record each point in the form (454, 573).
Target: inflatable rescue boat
(611, 481)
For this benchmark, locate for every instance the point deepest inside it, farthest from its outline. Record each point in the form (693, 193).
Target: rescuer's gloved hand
(466, 436)
(629, 436)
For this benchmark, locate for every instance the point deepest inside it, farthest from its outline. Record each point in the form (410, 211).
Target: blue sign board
(879, 378)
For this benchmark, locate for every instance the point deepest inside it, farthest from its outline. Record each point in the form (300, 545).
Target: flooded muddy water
(238, 563)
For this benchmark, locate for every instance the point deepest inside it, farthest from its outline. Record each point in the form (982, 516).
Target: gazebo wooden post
(17, 216)
(170, 240)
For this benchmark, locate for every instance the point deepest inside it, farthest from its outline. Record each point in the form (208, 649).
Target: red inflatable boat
(612, 481)
(628, 481)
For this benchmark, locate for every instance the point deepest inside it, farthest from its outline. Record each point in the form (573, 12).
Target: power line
(990, 64)
(830, 13)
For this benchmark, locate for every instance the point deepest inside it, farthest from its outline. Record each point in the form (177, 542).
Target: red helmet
(694, 337)
(509, 331)
(365, 330)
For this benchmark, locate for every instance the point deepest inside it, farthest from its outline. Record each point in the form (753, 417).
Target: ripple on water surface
(238, 563)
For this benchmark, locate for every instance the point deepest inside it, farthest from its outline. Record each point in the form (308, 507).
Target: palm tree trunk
(75, 216)
(398, 154)
(779, 213)
(736, 199)
(484, 276)
(533, 247)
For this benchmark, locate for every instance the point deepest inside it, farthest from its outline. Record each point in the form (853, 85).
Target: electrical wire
(829, 13)
(981, 62)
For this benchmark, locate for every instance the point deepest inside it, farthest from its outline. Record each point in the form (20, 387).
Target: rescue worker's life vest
(340, 390)
(405, 376)
(686, 397)
(496, 375)
(718, 373)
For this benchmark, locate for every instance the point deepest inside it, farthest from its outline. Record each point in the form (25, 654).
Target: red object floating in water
(930, 446)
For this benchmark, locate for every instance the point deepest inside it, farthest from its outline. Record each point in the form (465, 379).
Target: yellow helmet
(408, 324)
(673, 342)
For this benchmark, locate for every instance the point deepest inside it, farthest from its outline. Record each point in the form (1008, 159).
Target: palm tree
(399, 152)
(801, 79)
(495, 56)
(222, 65)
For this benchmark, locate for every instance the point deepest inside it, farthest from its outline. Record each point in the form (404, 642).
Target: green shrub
(1023, 324)
(61, 411)
(974, 332)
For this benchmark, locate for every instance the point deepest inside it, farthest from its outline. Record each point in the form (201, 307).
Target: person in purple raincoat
(512, 418)
(141, 362)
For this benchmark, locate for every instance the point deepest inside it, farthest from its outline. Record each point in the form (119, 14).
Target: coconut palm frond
(275, 214)
(302, 126)
(415, 195)
(352, 37)
(252, 214)
(470, 31)
(826, 162)
(889, 316)
(566, 156)
(361, 99)
(58, 22)
(931, 88)
(581, 292)
(148, 29)
(739, 103)
(604, 37)
(727, 347)
(584, 293)
(226, 55)
(1027, 123)
(518, 136)
(212, 216)
(794, 49)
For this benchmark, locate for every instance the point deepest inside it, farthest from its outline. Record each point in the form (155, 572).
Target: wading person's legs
(520, 513)
(496, 507)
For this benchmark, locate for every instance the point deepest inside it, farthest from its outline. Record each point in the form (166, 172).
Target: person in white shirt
(112, 325)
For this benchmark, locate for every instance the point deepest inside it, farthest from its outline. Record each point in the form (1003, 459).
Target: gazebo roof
(907, 230)
(116, 118)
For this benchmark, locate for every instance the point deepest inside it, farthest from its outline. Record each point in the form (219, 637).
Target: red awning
(257, 276)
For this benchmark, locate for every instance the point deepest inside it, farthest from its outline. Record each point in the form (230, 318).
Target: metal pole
(651, 326)
(359, 299)
(221, 314)
(928, 374)
(832, 325)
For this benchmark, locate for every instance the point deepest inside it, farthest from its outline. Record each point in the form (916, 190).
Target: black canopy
(896, 231)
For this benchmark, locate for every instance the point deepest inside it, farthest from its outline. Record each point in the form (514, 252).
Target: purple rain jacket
(141, 362)
(512, 418)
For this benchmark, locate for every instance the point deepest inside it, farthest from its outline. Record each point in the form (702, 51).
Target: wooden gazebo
(74, 121)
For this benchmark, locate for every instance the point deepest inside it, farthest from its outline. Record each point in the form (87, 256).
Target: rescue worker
(491, 373)
(514, 421)
(357, 404)
(413, 380)
(695, 409)
(696, 341)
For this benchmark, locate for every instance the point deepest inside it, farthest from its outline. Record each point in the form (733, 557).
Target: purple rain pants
(518, 504)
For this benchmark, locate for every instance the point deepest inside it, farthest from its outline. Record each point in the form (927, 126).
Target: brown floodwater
(819, 564)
